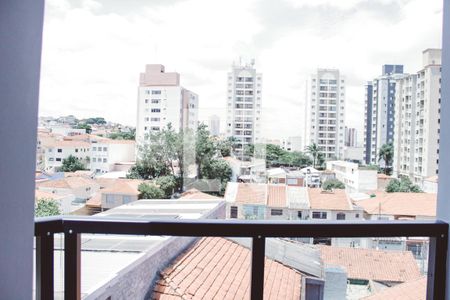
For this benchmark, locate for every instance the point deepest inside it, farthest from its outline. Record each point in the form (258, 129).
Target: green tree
(71, 164)
(150, 191)
(404, 185)
(225, 147)
(217, 169)
(204, 148)
(331, 184)
(386, 153)
(316, 154)
(121, 135)
(85, 126)
(46, 207)
(167, 184)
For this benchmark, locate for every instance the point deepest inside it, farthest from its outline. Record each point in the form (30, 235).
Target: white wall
(20, 53)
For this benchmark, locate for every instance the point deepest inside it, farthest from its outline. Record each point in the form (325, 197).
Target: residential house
(64, 201)
(81, 187)
(356, 179)
(114, 192)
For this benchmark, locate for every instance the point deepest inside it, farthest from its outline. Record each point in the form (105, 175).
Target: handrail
(258, 230)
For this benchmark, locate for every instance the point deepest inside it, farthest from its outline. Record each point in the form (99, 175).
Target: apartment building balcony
(258, 231)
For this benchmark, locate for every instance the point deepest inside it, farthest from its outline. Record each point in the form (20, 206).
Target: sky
(93, 51)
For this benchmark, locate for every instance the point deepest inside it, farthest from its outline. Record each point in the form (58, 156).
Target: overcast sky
(94, 51)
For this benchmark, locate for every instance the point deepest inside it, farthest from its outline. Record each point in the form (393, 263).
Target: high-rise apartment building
(417, 119)
(379, 115)
(325, 113)
(350, 137)
(162, 101)
(244, 106)
(214, 125)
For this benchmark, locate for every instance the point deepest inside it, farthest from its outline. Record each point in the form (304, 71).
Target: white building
(244, 106)
(355, 179)
(379, 111)
(417, 111)
(214, 125)
(57, 150)
(325, 112)
(106, 153)
(292, 143)
(162, 100)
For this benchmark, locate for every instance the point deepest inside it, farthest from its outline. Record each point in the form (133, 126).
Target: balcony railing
(73, 227)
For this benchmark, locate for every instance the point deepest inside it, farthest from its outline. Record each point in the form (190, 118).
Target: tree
(150, 191)
(46, 207)
(386, 153)
(167, 184)
(331, 184)
(314, 151)
(217, 169)
(71, 164)
(225, 147)
(404, 185)
(204, 148)
(121, 135)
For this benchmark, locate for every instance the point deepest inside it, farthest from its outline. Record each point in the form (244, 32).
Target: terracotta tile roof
(123, 187)
(409, 204)
(251, 193)
(336, 200)
(434, 178)
(70, 144)
(383, 176)
(277, 196)
(196, 194)
(38, 194)
(216, 268)
(372, 264)
(95, 201)
(411, 290)
(68, 182)
(111, 141)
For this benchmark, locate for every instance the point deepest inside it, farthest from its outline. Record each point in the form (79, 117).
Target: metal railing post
(44, 266)
(257, 275)
(72, 262)
(437, 265)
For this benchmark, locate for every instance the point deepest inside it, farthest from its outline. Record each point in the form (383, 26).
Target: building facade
(379, 111)
(244, 106)
(350, 137)
(162, 101)
(214, 125)
(326, 112)
(292, 143)
(416, 143)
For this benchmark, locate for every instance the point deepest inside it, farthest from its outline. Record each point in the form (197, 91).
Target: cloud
(93, 51)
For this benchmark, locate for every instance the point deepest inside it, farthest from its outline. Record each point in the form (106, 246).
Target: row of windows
(99, 160)
(100, 149)
(153, 92)
(279, 212)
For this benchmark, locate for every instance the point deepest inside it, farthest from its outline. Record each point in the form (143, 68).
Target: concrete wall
(136, 281)
(20, 56)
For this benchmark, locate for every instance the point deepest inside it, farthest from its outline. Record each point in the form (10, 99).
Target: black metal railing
(73, 227)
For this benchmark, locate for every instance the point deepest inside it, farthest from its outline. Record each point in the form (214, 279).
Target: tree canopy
(277, 156)
(386, 153)
(150, 191)
(122, 135)
(404, 185)
(331, 184)
(46, 207)
(71, 164)
(168, 156)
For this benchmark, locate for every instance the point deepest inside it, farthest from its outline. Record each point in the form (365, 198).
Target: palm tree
(386, 153)
(314, 151)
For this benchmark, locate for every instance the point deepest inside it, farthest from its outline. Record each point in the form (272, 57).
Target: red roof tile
(215, 268)
(336, 200)
(276, 196)
(251, 193)
(372, 264)
(412, 290)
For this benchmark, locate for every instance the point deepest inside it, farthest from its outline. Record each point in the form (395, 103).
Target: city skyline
(94, 50)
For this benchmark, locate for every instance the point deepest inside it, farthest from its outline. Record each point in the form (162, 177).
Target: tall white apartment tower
(162, 100)
(244, 106)
(214, 125)
(416, 142)
(325, 112)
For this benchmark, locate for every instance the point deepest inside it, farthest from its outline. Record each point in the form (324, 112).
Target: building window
(94, 148)
(51, 159)
(76, 150)
(340, 216)
(104, 160)
(156, 92)
(233, 212)
(126, 199)
(94, 160)
(276, 212)
(59, 150)
(58, 159)
(299, 214)
(319, 215)
(105, 149)
(156, 110)
(110, 199)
